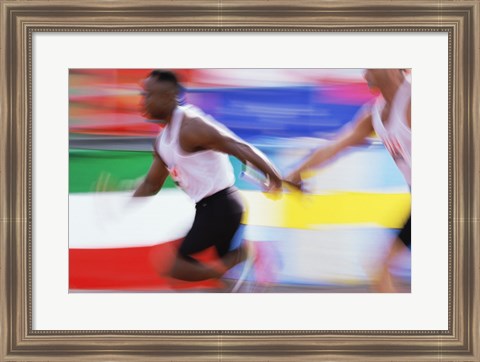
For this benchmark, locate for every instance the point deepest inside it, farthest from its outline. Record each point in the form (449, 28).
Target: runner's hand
(295, 187)
(274, 183)
(294, 180)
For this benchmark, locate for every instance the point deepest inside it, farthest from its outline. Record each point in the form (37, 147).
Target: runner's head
(160, 92)
(379, 79)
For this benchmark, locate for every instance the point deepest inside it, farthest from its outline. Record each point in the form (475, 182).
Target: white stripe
(112, 220)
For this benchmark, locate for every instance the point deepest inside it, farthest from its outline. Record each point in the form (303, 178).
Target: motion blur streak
(329, 239)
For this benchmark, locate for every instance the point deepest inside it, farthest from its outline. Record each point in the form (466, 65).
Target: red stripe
(130, 269)
(141, 128)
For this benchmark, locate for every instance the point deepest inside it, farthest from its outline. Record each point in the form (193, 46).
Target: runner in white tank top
(390, 117)
(199, 174)
(395, 131)
(194, 149)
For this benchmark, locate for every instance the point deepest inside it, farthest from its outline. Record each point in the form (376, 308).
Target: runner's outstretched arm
(357, 135)
(198, 135)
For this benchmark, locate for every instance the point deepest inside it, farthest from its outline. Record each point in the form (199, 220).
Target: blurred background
(329, 240)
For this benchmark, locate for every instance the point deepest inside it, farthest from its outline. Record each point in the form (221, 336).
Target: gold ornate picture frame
(21, 19)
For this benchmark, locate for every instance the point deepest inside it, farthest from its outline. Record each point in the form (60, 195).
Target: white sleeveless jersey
(199, 174)
(395, 132)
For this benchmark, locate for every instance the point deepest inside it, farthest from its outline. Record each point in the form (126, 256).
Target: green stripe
(104, 170)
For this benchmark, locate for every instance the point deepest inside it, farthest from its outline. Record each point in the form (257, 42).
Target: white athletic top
(199, 174)
(394, 132)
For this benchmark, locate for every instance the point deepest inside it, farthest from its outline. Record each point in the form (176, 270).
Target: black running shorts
(406, 234)
(217, 218)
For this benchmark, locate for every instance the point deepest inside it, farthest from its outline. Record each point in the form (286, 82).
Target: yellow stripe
(303, 211)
